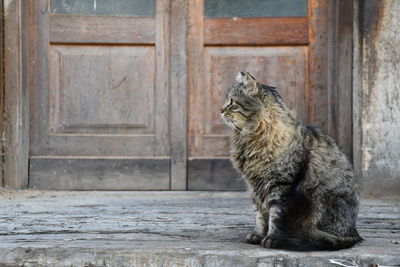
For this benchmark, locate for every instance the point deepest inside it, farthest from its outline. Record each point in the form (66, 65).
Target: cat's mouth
(230, 123)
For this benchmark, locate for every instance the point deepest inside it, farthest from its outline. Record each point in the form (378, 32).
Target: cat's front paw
(269, 241)
(253, 238)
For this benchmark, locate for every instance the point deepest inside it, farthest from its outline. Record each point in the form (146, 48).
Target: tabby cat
(303, 187)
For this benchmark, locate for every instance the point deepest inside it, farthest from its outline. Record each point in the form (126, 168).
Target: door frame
(338, 33)
(15, 109)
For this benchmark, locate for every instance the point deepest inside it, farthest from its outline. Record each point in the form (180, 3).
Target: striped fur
(303, 187)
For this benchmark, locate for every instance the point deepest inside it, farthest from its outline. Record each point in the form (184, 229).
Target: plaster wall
(377, 87)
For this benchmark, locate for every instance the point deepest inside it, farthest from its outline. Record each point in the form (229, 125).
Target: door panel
(123, 89)
(99, 173)
(99, 97)
(277, 42)
(101, 29)
(255, 31)
(283, 67)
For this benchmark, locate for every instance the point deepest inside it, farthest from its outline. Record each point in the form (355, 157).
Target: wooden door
(109, 82)
(99, 99)
(282, 43)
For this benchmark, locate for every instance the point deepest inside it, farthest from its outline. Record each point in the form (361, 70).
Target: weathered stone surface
(377, 98)
(165, 229)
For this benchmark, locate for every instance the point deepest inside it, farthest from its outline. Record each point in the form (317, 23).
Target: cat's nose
(222, 110)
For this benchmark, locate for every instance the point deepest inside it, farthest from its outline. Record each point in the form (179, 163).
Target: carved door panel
(99, 95)
(282, 43)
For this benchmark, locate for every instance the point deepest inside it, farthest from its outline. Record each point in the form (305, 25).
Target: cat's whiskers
(230, 123)
(234, 126)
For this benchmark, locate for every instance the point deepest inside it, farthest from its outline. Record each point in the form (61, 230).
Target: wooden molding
(318, 93)
(2, 115)
(178, 92)
(256, 31)
(101, 29)
(16, 96)
(343, 56)
(99, 173)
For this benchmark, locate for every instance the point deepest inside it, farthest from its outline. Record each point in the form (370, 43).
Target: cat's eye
(234, 107)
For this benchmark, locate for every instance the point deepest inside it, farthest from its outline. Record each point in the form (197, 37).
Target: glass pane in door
(255, 8)
(104, 7)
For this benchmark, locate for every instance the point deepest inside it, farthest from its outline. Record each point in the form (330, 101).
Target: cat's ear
(248, 81)
(240, 77)
(245, 78)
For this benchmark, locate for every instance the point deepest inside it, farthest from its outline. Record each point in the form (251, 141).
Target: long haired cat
(303, 187)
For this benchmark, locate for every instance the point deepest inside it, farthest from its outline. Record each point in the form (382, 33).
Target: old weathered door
(99, 107)
(109, 82)
(282, 43)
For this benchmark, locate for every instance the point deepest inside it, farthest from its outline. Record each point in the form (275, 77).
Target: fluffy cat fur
(303, 187)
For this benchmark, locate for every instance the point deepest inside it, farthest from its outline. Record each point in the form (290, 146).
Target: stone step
(47, 228)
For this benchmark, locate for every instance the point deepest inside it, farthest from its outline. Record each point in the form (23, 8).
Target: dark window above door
(104, 7)
(255, 8)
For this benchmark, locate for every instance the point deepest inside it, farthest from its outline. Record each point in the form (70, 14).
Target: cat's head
(249, 102)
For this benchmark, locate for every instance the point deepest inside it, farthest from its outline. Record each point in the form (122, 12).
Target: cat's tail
(318, 240)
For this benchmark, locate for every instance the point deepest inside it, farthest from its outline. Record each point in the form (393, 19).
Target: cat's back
(327, 164)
